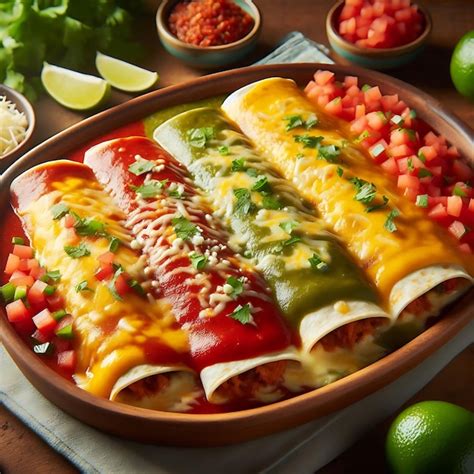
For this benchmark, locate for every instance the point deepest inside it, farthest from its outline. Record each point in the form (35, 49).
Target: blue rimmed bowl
(376, 58)
(208, 56)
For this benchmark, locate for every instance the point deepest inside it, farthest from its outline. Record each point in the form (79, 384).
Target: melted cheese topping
(109, 333)
(386, 257)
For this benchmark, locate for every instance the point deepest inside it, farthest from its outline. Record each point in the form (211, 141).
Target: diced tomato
(66, 321)
(23, 251)
(36, 296)
(104, 272)
(389, 101)
(399, 137)
(55, 302)
(428, 152)
(471, 205)
(40, 337)
(465, 248)
(67, 360)
(334, 107)
(37, 272)
(376, 120)
(121, 285)
(408, 181)
(359, 111)
(17, 312)
(411, 194)
(461, 170)
(13, 264)
(390, 166)
(438, 211)
(324, 77)
(373, 94)
(457, 229)
(454, 206)
(23, 266)
(69, 221)
(61, 344)
(400, 150)
(21, 279)
(106, 258)
(72, 237)
(359, 125)
(45, 322)
(350, 81)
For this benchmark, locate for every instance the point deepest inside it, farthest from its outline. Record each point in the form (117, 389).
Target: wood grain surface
(21, 451)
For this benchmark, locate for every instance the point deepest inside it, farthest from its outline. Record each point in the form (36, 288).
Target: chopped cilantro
(151, 189)
(198, 260)
(424, 173)
(59, 210)
(299, 156)
(329, 153)
(242, 314)
(366, 193)
(308, 141)
(141, 166)
(198, 137)
(422, 200)
(54, 275)
(288, 226)
(292, 240)
(77, 252)
(261, 185)
(111, 286)
(365, 134)
(389, 223)
(183, 228)
(421, 156)
(318, 264)
(458, 191)
(294, 121)
(339, 171)
(90, 227)
(412, 113)
(237, 286)
(244, 204)
(114, 244)
(82, 287)
(376, 207)
(271, 202)
(134, 285)
(252, 172)
(18, 241)
(410, 164)
(223, 150)
(311, 121)
(397, 120)
(366, 87)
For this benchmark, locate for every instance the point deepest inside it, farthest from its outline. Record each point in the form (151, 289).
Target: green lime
(73, 89)
(462, 65)
(430, 438)
(124, 76)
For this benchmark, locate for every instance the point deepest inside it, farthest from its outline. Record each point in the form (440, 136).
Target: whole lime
(462, 65)
(432, 437)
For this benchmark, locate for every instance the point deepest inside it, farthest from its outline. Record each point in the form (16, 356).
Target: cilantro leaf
(223, 150)
(77, 252)
(244, 204)
(243, 314)
(183, 228)
(262, 185)
(376, 207)
(114, 244)
(329, 153)
(389, 223)
(90, 227)
(294, 121)
(308, 141)
(238, 165)
(141, 166)
(366, 193)
(82, 287)
(288, 226)
(237, 286)
(292, 240)
(134, 285)
(422, 200)
(252, 172)
(317, 263)
(458, 191)
(198, 260)
(54, 275)
(339, 171)
(424, 173)
(271, 202)
(151, 189)
(59, 210)
(198, 137)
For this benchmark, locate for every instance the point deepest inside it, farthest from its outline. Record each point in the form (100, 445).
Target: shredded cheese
(13, 128)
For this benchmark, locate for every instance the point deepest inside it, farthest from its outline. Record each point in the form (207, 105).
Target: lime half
(124, 76)
(462, 65)
(73, 89)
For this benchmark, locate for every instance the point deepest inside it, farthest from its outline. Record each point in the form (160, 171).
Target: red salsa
(209, 22)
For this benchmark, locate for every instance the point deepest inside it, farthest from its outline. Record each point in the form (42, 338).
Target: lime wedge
(73, 89)
(124, 76)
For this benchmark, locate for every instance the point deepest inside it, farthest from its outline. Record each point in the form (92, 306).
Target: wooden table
(22, 451)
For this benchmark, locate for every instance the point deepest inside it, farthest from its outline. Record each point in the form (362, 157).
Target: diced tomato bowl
(376, 39)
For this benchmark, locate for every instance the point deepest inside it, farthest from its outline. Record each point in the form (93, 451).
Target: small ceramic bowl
(375, 58)
(209, 56)
(23, 105)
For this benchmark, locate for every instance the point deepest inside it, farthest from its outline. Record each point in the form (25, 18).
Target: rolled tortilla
(231, 330)
(390, 255)
(314, 301)
(112, 336)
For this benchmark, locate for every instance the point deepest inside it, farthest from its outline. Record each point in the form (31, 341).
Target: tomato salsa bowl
(186, 429)
(375, 58)
(208, 56)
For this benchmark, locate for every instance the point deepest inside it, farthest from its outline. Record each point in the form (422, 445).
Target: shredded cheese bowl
(17, 123)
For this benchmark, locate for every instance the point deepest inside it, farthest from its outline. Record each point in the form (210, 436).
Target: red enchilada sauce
(209, 22)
